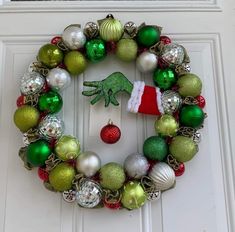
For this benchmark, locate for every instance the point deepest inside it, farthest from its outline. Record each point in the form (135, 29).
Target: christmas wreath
(175, 100)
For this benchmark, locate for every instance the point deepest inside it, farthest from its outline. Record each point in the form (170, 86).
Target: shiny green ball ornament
(26, 117)
(95, 50)
(155, 148)
(147, 36)
(67, 148)
(192, 116)
(75, 62)
(50, 102)
(164, 78)
(61, 177)
(166, 125)
(112, 176)
(50, 55)
(126, 50)
(38, 152)
(189, 85)
(183, 148)
(133, 195)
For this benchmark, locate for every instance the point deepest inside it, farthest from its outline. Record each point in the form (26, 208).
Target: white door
(203, 199)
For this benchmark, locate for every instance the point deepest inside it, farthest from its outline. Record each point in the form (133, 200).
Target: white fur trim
(136, 95)
(159, 100)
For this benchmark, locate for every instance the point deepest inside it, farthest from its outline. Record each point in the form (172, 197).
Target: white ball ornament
(73, 37)
(88, 163)
(136, 165)
(58, 79)
(146, 62)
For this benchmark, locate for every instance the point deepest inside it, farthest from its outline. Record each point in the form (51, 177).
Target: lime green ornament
(26, 117)
(95, 50)
(183, 148)
(50, 102)
(164, 78)
(50, 55)
(110, 29)
(67, 148)
(75, 62)
(192, 116)
(166, 125)
(189, 85)
(38, 152)
(126, 50)
(133, 195)
(61, 177)
(148, 36)
(112, 176)
(155, 148)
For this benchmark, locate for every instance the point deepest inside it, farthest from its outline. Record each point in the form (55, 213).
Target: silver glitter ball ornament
(171, 101)
(73, 37)
(88, 163)
(31, 83)
(163, 176)
(173, 54)
(153, 195)
(197, 137)
(89, 194)
(136, 165)
(69, 196)
(58, 79)
(91, 30)
(146, 62)
(51, 127)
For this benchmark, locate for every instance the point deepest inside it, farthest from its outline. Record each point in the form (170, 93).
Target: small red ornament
(20, 101)
(45, 88)
(43, 174)
(111, 46)
(141, 50)
(165, 39)
(56, 40)
(113, 205)
(180, 170)
(62, 65)
(162, 64)
(201, 101)
(151, 164)
(110, 133)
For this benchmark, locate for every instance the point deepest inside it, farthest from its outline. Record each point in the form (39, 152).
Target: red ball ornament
(110, 133)
(45, 88)
(162, 64)
(43, 174)
(20, 101)
(56, 40)
(165, 39)
(180, 170)
(111, 46)
(141, 50)
(201, 101)
(113, 205)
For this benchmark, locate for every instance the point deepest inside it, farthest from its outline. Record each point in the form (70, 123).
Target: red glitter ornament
(112, 205)
(180, 170)
(43, 174)
(141, 50)
(201, 101)
(45, 88)
(110, 133)
(20, 101)
(111, 46)
(162, 64)
(56, 40)
(165, 39)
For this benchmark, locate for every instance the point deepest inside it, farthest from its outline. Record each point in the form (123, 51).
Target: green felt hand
(108, 88)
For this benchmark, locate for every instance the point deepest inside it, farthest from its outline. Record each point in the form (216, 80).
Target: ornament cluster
(79, 175)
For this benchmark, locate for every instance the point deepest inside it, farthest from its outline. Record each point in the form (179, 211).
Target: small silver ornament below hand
(131, 29)
(170, 101)
(91, 30)
(69, 196)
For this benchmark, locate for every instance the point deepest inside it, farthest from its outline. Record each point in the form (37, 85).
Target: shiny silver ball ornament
(146, 62)
(31, 83)
(136, 165)
(89, 194)
(88, 163)
(69, 196)
(51, 128)
(171, 101)
(91, 30)
(58, 79)
(197, 137)
(73, 37)
(163, 176)
(173, 54)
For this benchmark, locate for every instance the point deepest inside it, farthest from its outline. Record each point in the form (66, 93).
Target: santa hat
(145, 99)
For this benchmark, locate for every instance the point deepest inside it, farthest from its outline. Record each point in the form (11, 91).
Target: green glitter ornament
(112, 176)
(183, 148)
(164, 78)
(38, 152)
(192, 116)
(95, 50)
(155, 148)
(147, 36)
(50, 102)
